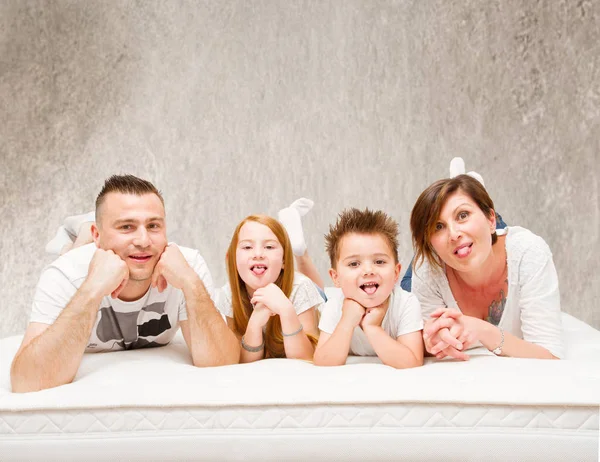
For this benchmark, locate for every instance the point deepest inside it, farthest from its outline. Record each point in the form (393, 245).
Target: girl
(271, 308)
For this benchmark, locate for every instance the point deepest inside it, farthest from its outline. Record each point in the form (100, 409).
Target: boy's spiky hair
(361, 222)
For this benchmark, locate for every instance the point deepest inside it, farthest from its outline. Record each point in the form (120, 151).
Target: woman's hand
(448, 333)
(273, 298)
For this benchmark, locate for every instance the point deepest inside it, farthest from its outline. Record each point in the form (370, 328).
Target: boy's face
(365, 270)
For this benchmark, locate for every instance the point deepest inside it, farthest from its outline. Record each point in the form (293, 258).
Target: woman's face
(463, 234)
(259, 256)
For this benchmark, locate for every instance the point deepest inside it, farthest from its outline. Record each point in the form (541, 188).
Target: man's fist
(108, 273)
(172, 268)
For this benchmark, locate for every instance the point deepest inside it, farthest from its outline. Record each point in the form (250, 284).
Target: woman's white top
(532, 309)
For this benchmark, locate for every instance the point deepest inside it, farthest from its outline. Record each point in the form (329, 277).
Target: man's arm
(206, 334)
(50, 355)
(210, 341)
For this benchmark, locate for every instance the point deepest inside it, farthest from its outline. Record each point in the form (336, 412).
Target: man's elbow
(226, 358)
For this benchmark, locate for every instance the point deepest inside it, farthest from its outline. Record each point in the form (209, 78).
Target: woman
(476, 286)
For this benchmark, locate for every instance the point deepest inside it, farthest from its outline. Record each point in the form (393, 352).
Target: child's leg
(290, 218)
(84, 236)
(74, 223)
(60, 243)
(75, 232)
(305, 265)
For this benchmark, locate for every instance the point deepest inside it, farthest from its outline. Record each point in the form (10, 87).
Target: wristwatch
(498, 350)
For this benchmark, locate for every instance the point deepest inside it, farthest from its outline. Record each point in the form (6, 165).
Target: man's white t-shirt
(150, 321)
(303, 297)
(403, 316)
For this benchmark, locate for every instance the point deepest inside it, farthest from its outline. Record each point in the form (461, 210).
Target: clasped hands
(448, 332)
(269, 301)
(357, 315)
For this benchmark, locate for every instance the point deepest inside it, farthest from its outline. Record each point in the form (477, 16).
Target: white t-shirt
(403, 316)
(532, 308)
(150, 321)
(304, 296)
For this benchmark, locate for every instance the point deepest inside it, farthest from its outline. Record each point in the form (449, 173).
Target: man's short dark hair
(126, 184)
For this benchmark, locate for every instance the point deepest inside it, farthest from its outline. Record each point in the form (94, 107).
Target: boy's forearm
(390, 351)
(334, 352)
(211, 342)
(53, 358)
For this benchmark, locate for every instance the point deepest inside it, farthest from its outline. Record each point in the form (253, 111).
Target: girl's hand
(260, 315)
(273, 298)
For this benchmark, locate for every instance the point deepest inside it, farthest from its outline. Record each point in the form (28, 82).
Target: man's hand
(273, 298)
(108, 273)
(352, 312)
(172, 268)
(373, 317)
(260, 316)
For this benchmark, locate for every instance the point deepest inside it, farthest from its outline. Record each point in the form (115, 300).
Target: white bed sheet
(152, 404)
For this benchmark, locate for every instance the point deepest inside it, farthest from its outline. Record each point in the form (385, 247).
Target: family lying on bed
(474, 281)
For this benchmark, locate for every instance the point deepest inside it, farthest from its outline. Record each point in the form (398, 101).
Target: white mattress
(153, 405)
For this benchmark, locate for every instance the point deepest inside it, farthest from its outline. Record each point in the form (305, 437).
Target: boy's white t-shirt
(403, 316)
(150, 321)
(303, 297)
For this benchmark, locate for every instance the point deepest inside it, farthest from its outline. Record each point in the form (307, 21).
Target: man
(129, 289)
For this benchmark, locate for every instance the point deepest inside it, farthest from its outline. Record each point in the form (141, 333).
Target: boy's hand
(273, 297)
(373, 317)
(108, 273)
(352, 312)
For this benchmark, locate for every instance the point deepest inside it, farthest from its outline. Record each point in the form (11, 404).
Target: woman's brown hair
(427, 209)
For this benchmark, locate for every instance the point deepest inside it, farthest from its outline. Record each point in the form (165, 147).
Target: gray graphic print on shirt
(131, 330)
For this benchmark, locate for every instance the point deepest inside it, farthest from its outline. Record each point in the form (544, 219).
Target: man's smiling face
(133, 227)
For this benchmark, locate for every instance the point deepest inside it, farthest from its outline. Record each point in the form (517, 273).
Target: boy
(373, 317)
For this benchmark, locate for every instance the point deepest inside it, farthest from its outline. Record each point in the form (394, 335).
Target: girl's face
(259, 256)
(463, 234)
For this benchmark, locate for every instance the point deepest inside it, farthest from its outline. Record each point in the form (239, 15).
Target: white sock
(57, 243)
(73, 224)
(290, 219)
(457, 167)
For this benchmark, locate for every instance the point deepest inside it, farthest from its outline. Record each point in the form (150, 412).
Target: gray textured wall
(236, 107)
